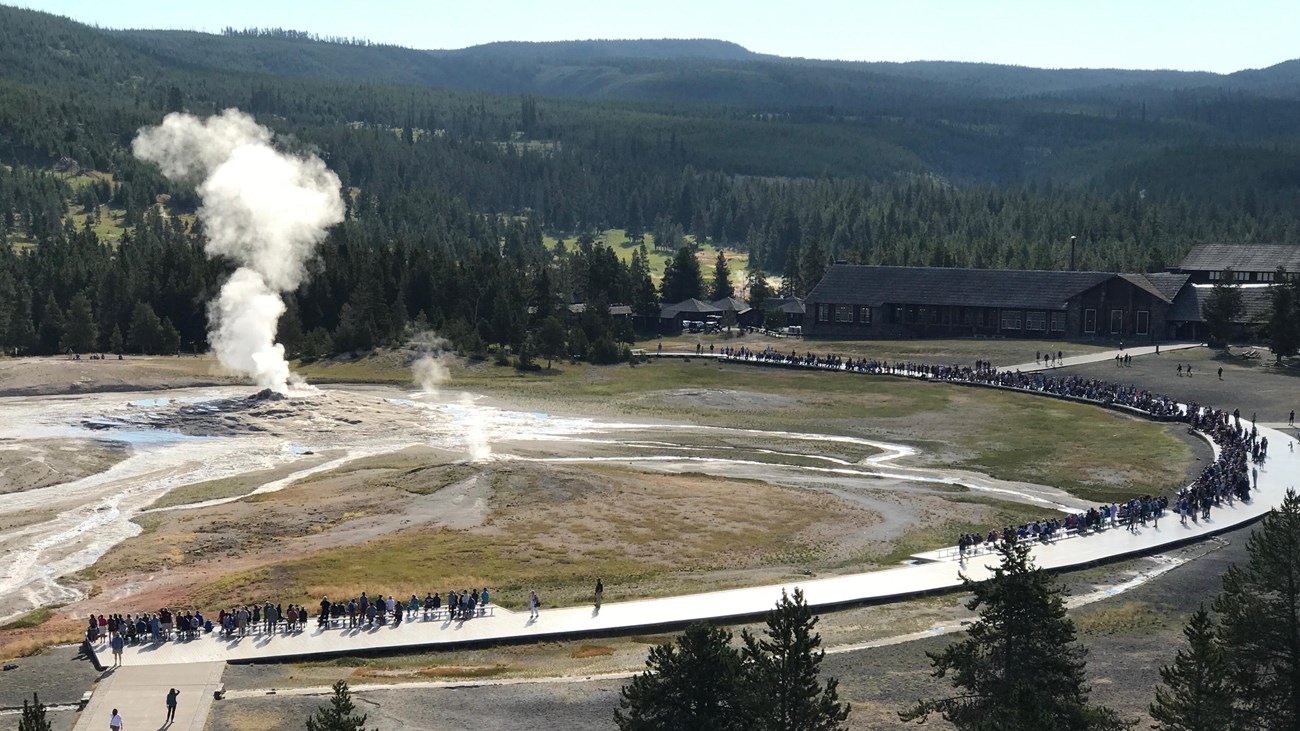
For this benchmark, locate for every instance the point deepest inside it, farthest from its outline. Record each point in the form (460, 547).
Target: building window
(844, 313)
(864, 314)
(1214, 276)
(1266, 276)
(898, 313)
(1011, 319)
(1143, 322)
(1035, 320)
(1058, 322)
(1116, 322)
(823, 313)
(1090, 321)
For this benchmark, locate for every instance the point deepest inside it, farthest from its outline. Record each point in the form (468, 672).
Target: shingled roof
(1162, 285)
(855, 284)
(732, 304)
(1241, 258)
(1256, 304)
(688, 307)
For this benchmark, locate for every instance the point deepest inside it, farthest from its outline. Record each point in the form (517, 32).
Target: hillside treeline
(450, 192)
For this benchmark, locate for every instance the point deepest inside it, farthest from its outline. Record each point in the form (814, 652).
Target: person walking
(600, 592)
(1291, 419)
(171, 705)
(115, 723)
(1220, 373)
(118, 643)
(534, 604)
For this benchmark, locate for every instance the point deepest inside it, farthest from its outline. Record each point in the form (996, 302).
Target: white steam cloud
(265, 209)
(430, 369)
(476, 440)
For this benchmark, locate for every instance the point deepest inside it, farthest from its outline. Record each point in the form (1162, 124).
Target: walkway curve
(1275, 476)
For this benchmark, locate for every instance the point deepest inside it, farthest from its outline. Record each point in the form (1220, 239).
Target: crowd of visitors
(268, 618)
(1224, 480)
(1135, 512)
(1227, 479)
(156, 626)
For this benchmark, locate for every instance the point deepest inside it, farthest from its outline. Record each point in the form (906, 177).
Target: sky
(1207, 35)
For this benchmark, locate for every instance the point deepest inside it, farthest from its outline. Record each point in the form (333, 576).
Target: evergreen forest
(481, 184)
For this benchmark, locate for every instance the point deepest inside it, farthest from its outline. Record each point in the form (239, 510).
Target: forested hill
(663, 48)
(676, 70)
(462, 168)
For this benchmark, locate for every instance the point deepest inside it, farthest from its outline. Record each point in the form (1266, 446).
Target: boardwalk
(1275, 476)
(140, 694)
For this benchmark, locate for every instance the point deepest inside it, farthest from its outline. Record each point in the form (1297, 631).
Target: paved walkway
(1067, 361)
(1105, 355)
(1279, 472)
(139, 693)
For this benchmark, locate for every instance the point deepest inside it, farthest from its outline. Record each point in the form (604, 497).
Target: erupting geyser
(265, 209)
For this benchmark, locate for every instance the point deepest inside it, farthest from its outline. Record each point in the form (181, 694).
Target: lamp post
(1072, 238)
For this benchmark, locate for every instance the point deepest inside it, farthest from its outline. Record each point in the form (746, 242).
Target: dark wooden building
(904, 302)
(1187, 323)
(1250, 263)
(791, 309)
(672, 317)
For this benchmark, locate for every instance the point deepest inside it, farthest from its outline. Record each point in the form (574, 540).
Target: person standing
(534, 604)
(1291, 419)
(171, 704)
(600, 592)
(118, 643)
(115, 723)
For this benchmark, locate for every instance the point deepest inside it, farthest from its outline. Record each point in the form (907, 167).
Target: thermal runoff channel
(262, 208)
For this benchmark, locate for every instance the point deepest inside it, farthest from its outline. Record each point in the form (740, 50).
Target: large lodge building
(903, 302)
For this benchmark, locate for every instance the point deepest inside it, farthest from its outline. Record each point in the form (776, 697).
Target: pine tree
(1259, 627)
(79, 332)
(812, 265)
(782, 673)
(721, 288)
(759, 290)
(115, 342)
(645, 301)
(339, 715)
(693, 684)
(33, 718)
(1222, 308)
(1020, 667)
(550, 340)
(146, 334)
(1284, 317)
(682, 277)
(1197, 692)
(52, 324)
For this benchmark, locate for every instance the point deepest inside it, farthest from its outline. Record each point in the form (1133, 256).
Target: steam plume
(264, 209)
(476, 440)
(430, 369)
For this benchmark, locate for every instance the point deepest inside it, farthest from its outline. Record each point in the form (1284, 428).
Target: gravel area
(1250, 385)
(60, 675)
